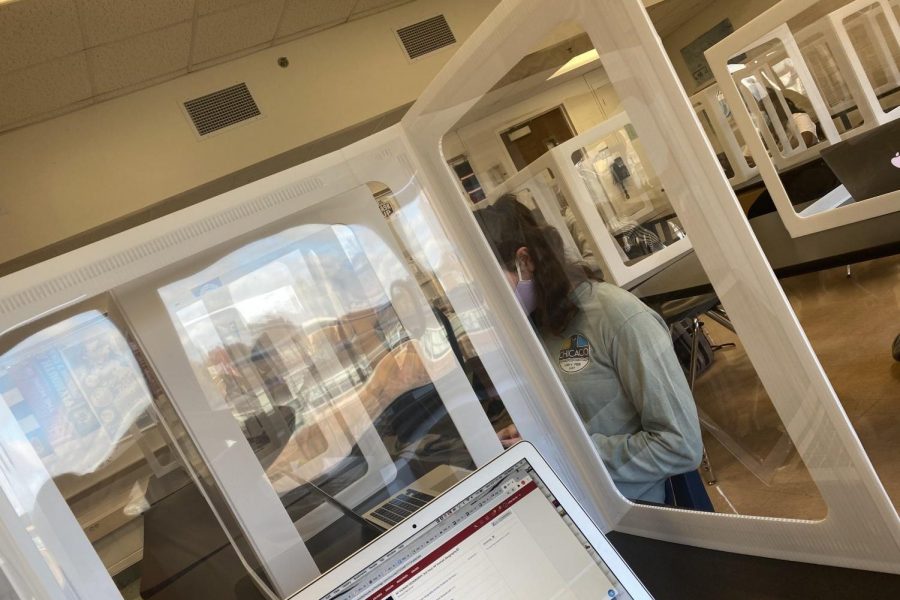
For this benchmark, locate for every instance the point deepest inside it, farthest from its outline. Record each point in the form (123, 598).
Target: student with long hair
(612, 353)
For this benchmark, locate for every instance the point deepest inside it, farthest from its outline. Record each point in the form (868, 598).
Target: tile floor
(850, 323)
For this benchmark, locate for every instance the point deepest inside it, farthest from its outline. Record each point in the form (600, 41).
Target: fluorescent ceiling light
(732, 68)
(576, 62)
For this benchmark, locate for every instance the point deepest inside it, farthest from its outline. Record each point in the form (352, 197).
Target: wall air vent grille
(222, 109)
(426, 36)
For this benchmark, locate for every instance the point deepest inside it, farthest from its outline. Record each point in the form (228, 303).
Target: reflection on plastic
(302, 344)
(74, 389)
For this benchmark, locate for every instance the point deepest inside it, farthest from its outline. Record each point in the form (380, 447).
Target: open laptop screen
(510, 539)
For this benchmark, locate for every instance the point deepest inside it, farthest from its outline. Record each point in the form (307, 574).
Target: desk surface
(187, 555)
(848, 244)
(673, 572)
(757, 179)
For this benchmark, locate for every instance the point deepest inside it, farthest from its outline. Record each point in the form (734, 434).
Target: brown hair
(508, 226)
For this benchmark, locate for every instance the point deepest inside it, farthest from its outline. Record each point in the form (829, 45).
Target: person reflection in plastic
(404, 367)
(612, 353)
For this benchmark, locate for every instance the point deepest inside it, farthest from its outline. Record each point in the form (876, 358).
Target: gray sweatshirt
(618, 365)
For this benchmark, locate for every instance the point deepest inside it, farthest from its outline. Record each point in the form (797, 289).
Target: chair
(691, 309)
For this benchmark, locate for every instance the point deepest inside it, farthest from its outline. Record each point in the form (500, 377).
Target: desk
(674, 571)
(848, 244)
(757, 180)
(187, 555)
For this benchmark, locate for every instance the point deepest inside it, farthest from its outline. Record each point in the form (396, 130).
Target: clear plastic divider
(597, 200)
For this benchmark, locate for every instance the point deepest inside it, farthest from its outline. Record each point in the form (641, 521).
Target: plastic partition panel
(761, 28)
(28, 574)
(707, 100)
(529, 186)
(857, 72)
(226, 449)
(384, 158)
(862, 529)
(43, 545)
(779, 147)
(599, 223)
(120, 261)
(829, 44)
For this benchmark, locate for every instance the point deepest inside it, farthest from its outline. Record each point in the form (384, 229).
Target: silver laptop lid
(508, 531)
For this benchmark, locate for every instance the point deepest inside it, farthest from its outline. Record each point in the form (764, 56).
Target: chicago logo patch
(574, 354)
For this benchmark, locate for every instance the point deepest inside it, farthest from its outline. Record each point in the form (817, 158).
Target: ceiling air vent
(222, 109)
(426, 36)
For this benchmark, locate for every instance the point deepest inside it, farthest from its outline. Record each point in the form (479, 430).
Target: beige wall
(588, 101)
(740, 12)
(78, 171)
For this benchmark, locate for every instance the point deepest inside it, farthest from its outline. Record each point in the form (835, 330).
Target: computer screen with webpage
(510, 539)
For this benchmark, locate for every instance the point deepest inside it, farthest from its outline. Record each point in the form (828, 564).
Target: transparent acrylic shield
(718, 125)
(317, 343)
(811, 75)
(870, 34)
(314, 370)
(838, 308)
(775, 88)
(598, 191)
(610, 179)
(730, 257)
(84, 425)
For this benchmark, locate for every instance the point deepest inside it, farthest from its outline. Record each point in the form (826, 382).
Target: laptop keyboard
(402, 506)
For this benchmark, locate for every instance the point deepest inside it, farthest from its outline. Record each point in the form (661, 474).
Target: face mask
(526, 292)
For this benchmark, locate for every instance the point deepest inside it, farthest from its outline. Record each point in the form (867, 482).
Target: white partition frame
(787, 156)
(615, 269)
(564, 152)
(117, 261)
(528, 178)
(707, 101)
(838, 51)
(209, 421)
(594, 221)
(862, 528)
(856, 73)
(760, 29)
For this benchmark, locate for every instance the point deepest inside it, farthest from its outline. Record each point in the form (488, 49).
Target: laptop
(510, 530)
(868, 164)
(416, 495)
(386, 513)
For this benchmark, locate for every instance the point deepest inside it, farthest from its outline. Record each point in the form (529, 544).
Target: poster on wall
(693, 52)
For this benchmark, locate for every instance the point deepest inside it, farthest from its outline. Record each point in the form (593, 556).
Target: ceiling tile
(236, 29)
(147, 56)
(106, 21)
(205, 7)
(43, 88)
(34, 32)
(364, 7)
(301, 15)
